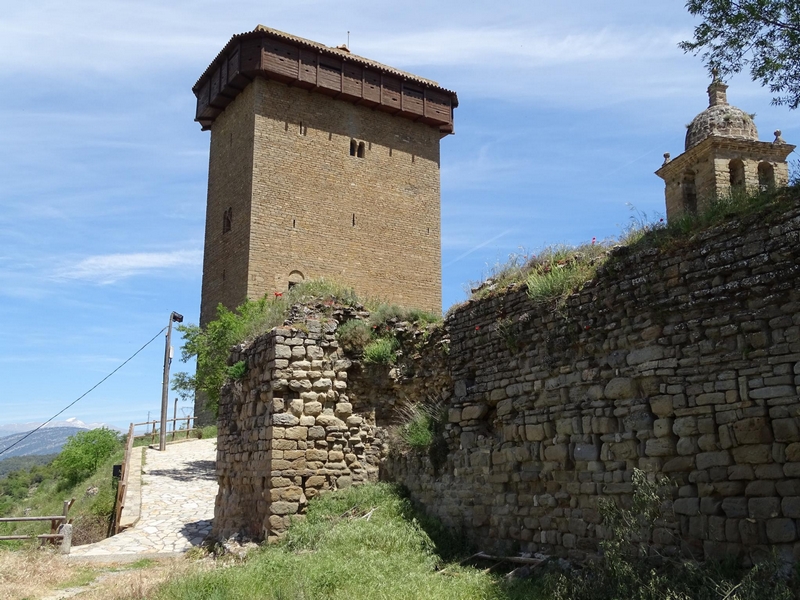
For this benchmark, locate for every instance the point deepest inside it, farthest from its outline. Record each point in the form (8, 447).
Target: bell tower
(722, 155)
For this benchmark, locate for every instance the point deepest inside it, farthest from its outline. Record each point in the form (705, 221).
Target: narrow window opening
(736, 168)
(227, 220)
(286, 127)
(766, 176)
(390, 151)
(354, 219)
(353, 147)
(689, 193)
(429, 230)
(370, 146)
(294, 223)
(330, 136)
(361, 150)
(301, 128)
(413, 158)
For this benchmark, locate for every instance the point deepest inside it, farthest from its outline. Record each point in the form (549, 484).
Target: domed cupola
(723, 155)
(720, 118)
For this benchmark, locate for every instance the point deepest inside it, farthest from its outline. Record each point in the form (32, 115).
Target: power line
(68, 406)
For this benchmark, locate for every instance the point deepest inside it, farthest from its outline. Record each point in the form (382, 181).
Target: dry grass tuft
(31, 572)
(46, 575)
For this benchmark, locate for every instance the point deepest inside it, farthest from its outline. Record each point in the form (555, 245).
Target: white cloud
(109, 268)
(515, 47)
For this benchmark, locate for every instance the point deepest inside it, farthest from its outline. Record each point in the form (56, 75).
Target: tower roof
(296, 61)
(720, 118)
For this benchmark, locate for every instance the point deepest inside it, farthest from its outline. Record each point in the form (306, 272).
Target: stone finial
(778, 138)
(717, 90)
(666, 158)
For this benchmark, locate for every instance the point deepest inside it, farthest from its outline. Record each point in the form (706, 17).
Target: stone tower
(722, 154)
(322, 164)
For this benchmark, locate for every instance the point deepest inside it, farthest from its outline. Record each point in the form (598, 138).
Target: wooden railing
(122, 486)
(153, 426)
(62, 531)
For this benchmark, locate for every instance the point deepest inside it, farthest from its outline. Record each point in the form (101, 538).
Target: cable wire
(68, 406)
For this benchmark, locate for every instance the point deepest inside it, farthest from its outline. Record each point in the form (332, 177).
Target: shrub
(83, 452)
(381, 351)
(237, 370)
(354, 335)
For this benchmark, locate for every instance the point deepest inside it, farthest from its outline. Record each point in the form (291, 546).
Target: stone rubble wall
(683, 361)
(287, 432)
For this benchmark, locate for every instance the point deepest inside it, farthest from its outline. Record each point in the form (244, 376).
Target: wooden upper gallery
(295, 61)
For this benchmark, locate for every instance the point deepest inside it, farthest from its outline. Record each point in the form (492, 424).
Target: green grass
(382, 351)
(336, 552)
(560, 270)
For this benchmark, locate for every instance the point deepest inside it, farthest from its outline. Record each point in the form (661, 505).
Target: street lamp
(162, 438)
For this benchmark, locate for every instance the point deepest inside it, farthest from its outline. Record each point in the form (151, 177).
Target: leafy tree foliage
(763, 34)
(16, 485)
(211, 347)
(83, 452)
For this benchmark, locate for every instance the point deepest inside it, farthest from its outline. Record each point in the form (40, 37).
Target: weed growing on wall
(382, 351)
(237, 370)
(354, 335)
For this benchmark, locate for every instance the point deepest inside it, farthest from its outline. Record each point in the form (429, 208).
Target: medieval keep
(322, 164)
(722, 154)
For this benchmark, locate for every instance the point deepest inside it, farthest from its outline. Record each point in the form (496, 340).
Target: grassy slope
(337, 552)
(89, 512)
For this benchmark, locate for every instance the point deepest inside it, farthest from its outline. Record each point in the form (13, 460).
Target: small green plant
(555, 281)
(209, 431)
(418, 428)
(354, 335)
(382, 351)
(507, 331)
(238, 370)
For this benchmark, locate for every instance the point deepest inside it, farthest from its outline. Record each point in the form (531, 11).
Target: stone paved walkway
(179, 487)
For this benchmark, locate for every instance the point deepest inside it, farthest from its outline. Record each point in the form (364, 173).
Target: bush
(83, 452)
(354, 336)
(381, 351)
(238, 370)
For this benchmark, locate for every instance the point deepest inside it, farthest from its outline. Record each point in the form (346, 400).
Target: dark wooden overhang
(335, 72)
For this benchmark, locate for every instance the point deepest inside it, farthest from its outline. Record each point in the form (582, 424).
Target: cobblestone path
(179, 487)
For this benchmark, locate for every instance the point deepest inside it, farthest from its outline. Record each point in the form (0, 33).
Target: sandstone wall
(287, 432)
(683, 361)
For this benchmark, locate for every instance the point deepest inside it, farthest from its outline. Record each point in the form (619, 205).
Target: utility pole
(162, 438)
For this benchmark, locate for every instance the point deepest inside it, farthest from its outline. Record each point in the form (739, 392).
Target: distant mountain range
(48, 440)
(10, 429)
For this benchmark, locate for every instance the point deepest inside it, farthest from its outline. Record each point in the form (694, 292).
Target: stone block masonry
(683, 361)
(288, 432)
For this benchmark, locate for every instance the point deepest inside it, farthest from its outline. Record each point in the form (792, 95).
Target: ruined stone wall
(287, 432)
(683, 361)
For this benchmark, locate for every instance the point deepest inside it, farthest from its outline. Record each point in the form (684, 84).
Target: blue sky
(565, 111)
